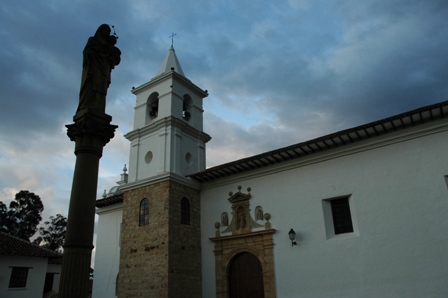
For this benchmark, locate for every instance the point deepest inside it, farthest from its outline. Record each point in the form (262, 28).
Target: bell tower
(167, 135)
(160, 253)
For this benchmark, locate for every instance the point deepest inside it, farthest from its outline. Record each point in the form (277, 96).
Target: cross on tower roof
(172, 38)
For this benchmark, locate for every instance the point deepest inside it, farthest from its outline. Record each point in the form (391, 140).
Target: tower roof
(170, 63)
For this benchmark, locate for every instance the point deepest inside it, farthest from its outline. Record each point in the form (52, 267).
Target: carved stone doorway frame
(259, 243)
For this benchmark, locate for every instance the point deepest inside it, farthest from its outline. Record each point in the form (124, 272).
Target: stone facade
(260, 244)
(162, 258)
(244, 239)
(185, 278)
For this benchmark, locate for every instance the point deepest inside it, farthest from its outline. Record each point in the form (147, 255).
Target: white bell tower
(167, 137)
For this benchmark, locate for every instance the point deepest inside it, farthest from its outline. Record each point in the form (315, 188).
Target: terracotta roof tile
(13, 246)
(116, 199)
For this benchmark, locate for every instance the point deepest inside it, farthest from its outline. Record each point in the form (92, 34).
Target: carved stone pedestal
(90, 132)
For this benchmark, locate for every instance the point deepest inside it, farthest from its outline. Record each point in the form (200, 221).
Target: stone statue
(225, 219)
(241, 218)
(100, 57)
(259, 214)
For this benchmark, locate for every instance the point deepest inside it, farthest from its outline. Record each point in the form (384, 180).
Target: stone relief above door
(239, 233)
(242, 221)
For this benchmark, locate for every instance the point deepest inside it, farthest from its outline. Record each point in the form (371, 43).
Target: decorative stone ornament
(225, 219)
(258, 213)
(243, 240)
(242, 222)
(91, 126)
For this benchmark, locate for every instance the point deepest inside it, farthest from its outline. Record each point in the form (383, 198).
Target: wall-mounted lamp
(292, 236)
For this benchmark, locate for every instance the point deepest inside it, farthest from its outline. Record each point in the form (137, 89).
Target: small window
(339, 217)
(342, 217)
(49, 280)
(185, 211)
(19, 275)
(144, 212)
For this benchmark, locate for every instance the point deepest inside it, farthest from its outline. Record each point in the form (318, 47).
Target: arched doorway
(245, 277)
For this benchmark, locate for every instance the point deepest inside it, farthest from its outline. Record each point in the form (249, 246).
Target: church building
(362, 212)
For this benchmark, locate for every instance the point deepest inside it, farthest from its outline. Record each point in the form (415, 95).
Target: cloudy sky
(278, 73)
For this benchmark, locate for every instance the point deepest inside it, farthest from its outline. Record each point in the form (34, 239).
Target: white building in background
(27, 270)
(368, 206)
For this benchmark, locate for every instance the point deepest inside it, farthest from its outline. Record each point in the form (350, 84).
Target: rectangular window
(185, 211)
(19, 276)
(342, 217)
(48, 285)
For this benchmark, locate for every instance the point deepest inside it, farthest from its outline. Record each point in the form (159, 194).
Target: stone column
(90, 132)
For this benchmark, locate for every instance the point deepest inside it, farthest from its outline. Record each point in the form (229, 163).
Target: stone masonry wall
(163, 258)
(144, 249)
(185, 245)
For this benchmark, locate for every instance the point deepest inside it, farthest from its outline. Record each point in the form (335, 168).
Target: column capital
(91, 129)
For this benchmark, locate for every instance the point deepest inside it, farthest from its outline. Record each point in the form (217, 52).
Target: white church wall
(141, 110)
(108, 260)
(399, 202)
(191, 157)
(195, 109)
(150, 156)
(167, 149)
(141, 116)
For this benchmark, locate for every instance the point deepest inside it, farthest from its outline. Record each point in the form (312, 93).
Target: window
(342, 218)
(185, 211)
(339, 217)
(144, 212)
(19, 276)
(48, 285)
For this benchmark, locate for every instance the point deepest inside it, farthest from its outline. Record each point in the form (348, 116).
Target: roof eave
(327, 142)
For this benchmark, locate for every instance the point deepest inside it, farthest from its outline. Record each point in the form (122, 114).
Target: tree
(23, 216)
(52, 234)
(3, 216)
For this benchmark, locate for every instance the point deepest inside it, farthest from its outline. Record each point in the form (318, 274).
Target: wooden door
(245, 277)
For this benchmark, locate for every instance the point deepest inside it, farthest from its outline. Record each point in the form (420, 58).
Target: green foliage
(3, 216)
(52, 234)
(23, 215)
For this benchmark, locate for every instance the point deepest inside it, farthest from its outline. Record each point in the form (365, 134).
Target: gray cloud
(277, 73)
